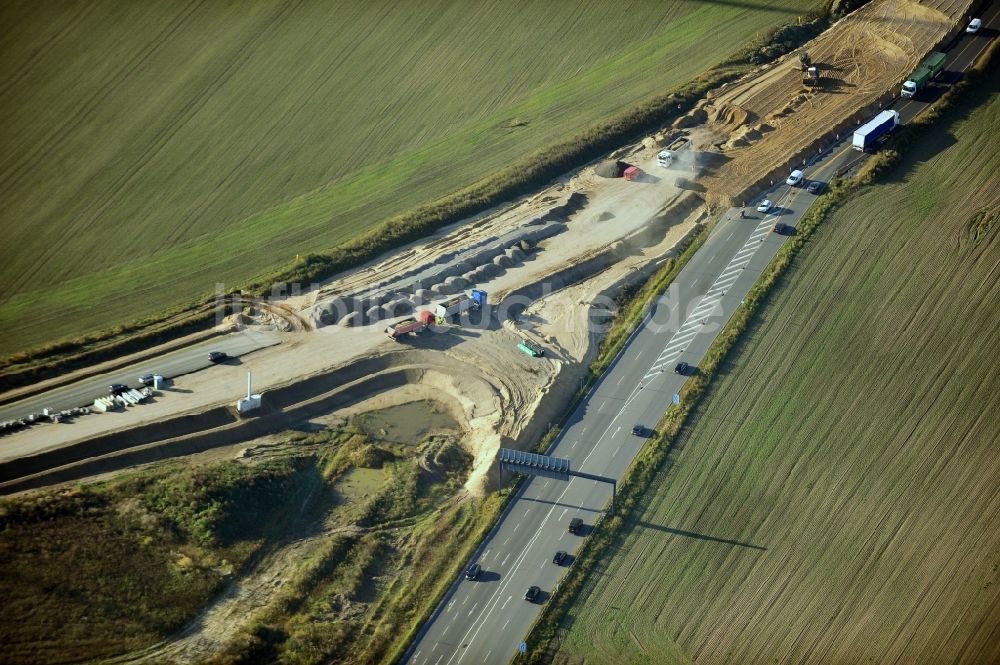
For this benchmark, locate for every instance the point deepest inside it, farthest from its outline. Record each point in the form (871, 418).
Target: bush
(220, 504)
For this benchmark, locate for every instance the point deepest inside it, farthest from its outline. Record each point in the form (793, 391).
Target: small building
(631, 173)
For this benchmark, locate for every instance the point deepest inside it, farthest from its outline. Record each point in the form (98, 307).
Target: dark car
(784, 229)
(217, 356)
(815, 187)
(117, 388)
(472, 572)
(575, 525)
(559, 558)
(532, 593)
(639, 430)
(146, 379)
(683, 369)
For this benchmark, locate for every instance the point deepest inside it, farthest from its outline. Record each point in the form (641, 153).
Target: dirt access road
(583, 227)
(620, 229)
(764, 125)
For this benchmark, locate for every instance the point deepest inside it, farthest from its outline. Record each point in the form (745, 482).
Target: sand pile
(611, 168)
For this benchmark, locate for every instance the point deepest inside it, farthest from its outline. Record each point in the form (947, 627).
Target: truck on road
(869, 133)
(928, 70)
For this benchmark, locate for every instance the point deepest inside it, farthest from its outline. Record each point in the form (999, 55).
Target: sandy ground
(748, 127)
(767, 123)
(560, 320)
(616, 210)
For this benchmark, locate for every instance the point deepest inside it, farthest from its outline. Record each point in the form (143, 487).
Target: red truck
(410, 325)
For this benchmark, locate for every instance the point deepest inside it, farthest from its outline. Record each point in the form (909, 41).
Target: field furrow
(846, 461)
(151, 150)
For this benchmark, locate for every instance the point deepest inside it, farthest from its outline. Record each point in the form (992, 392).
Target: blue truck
(867, 134)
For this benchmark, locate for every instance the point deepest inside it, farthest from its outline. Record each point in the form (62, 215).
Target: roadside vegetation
(363, 536)
(201, 185)
(104, 568)
(839, 479)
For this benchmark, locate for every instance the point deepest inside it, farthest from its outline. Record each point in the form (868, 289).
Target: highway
(962, 53)
(183, 361)
(484, 621)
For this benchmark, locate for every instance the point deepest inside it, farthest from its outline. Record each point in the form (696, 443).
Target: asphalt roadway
(485, 621)
(170, 365)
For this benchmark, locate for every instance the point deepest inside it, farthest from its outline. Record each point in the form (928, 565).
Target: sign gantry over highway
(530, 464)
(533, 464)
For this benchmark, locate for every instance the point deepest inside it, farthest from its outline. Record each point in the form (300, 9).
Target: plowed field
(150, 150)
(836, 499)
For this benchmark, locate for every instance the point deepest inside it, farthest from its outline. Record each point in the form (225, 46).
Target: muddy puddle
(359, 483)
(408, 423)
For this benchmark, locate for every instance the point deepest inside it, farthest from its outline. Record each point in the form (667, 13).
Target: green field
(835, 497)
(151, 150)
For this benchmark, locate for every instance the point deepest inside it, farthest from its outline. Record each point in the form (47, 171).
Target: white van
(795, 179)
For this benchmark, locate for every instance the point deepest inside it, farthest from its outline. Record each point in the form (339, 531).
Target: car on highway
(532, 593)
(815, 187)
(472, 572)
(117, 388)
(974, 26)
(682, 368)
(150, 379)
(639, 430)
(575, 525)
(218, 356)
(784, 229)
(559, 558)
(765, 206)
(795, 179)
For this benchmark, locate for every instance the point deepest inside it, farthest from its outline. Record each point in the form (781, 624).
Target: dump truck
(665, 158)
(531, 349)
(869, 133)
(454, 306)
(929, 69)
(410, 325)
(810, 76)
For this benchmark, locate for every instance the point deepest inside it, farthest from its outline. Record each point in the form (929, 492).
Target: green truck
(928, 70)
(532, 350)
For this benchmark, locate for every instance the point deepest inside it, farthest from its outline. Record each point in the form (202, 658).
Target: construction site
(550, 264)
(496, 319)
